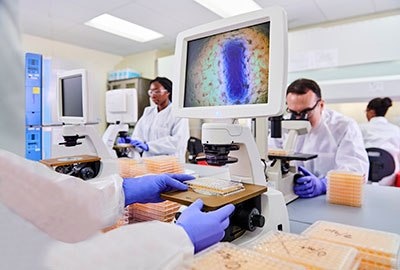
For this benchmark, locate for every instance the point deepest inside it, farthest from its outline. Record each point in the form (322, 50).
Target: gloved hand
(140, 144)
(124, 139)
(309, 185)
(204, 229)
(147, 189)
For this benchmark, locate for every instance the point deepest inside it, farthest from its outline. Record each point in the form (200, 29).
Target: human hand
(309, 185)
(140, 144)
(126, 139)
(205, 228)
(147, 189)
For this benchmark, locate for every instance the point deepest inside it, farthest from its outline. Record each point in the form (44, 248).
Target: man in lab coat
(334, 137)
(52, 221)
(158, 131)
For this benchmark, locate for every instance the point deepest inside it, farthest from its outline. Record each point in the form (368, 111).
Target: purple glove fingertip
(204, 229)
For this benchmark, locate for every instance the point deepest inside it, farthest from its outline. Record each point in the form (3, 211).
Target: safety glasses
(156, 92)
(304, 114)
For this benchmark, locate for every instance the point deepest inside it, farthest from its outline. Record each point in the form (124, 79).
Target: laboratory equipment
(236, 68)
(72, 97)
(232, 68)
(282, 173)
(142, 85)
(79, 135)
(377, 249)
(121, 110)
(33, 104)
(228, 256)
(309, 252)
(345, 188)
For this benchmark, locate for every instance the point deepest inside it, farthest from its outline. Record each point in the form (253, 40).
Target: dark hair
(166, 83)
(302, 86)
(380, 105)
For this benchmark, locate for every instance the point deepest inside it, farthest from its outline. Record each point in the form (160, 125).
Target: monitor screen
(233, 68)
(72, 97)
(229, 68)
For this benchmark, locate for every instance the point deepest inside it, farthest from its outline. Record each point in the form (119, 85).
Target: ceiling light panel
(228, 8)
(123, 28)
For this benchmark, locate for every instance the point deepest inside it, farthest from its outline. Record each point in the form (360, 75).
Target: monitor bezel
(127, 116)
(72, 119)
(277, 66)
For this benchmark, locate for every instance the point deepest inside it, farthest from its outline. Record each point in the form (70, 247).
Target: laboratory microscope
(259, 208)
(98, 160)
(282, 174)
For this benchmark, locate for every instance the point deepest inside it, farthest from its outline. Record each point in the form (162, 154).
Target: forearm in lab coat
(65, 207)
(145, 245)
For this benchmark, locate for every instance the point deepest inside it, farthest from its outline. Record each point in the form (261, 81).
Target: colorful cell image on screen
(229, 68)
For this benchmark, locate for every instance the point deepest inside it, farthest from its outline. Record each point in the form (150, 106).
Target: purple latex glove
(147, 189)
(309, 185)
(205, 228)
(140, 144)
(124, 140)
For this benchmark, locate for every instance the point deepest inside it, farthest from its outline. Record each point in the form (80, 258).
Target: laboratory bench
(380, 210)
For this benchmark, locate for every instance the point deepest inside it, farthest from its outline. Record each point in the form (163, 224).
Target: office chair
(381, 164)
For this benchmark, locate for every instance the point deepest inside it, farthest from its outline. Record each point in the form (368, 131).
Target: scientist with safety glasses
(334, 137)
(50, 220)
(158, 131)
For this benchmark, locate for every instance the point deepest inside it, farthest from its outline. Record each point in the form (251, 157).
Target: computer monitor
(72, 96)
(232, 68)
(122, 106)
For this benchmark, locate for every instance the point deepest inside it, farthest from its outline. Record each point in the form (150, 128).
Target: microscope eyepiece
(276, 126)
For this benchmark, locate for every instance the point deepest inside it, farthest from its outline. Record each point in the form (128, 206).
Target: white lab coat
(52, 221)
(164, 133)
(40, 208)
(12, 90)
(378, 132)
(338, 142)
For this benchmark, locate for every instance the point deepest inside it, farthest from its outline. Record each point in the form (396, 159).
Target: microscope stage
(61, 161)
(212, 202)
(293, 156)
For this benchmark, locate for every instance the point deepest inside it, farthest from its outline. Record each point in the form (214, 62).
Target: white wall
(344, 44)
(65, 56)
(353, 63)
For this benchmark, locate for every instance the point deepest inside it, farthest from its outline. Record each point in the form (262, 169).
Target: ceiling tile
(63, 20)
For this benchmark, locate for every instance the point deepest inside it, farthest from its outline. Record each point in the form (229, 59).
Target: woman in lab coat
(334, 137)
(158, 131)
(378, 132)
(52, 221)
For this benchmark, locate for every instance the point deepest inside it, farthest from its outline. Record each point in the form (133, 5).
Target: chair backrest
(381, 164)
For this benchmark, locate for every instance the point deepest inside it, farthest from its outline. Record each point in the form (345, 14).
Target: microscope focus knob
(258, 221)
(87, 173)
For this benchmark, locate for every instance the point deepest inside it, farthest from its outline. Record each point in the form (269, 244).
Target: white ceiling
(63, 20)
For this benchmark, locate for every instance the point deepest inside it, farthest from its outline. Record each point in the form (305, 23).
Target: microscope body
(245, 162)
(97, 160)
(256, 215)
(111, 134)
(282, 173)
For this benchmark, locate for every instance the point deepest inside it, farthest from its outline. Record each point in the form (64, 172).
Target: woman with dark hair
(380, 133)
(158, 131)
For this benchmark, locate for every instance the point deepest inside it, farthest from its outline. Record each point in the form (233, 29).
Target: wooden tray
(212, 202)
(61, 161)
